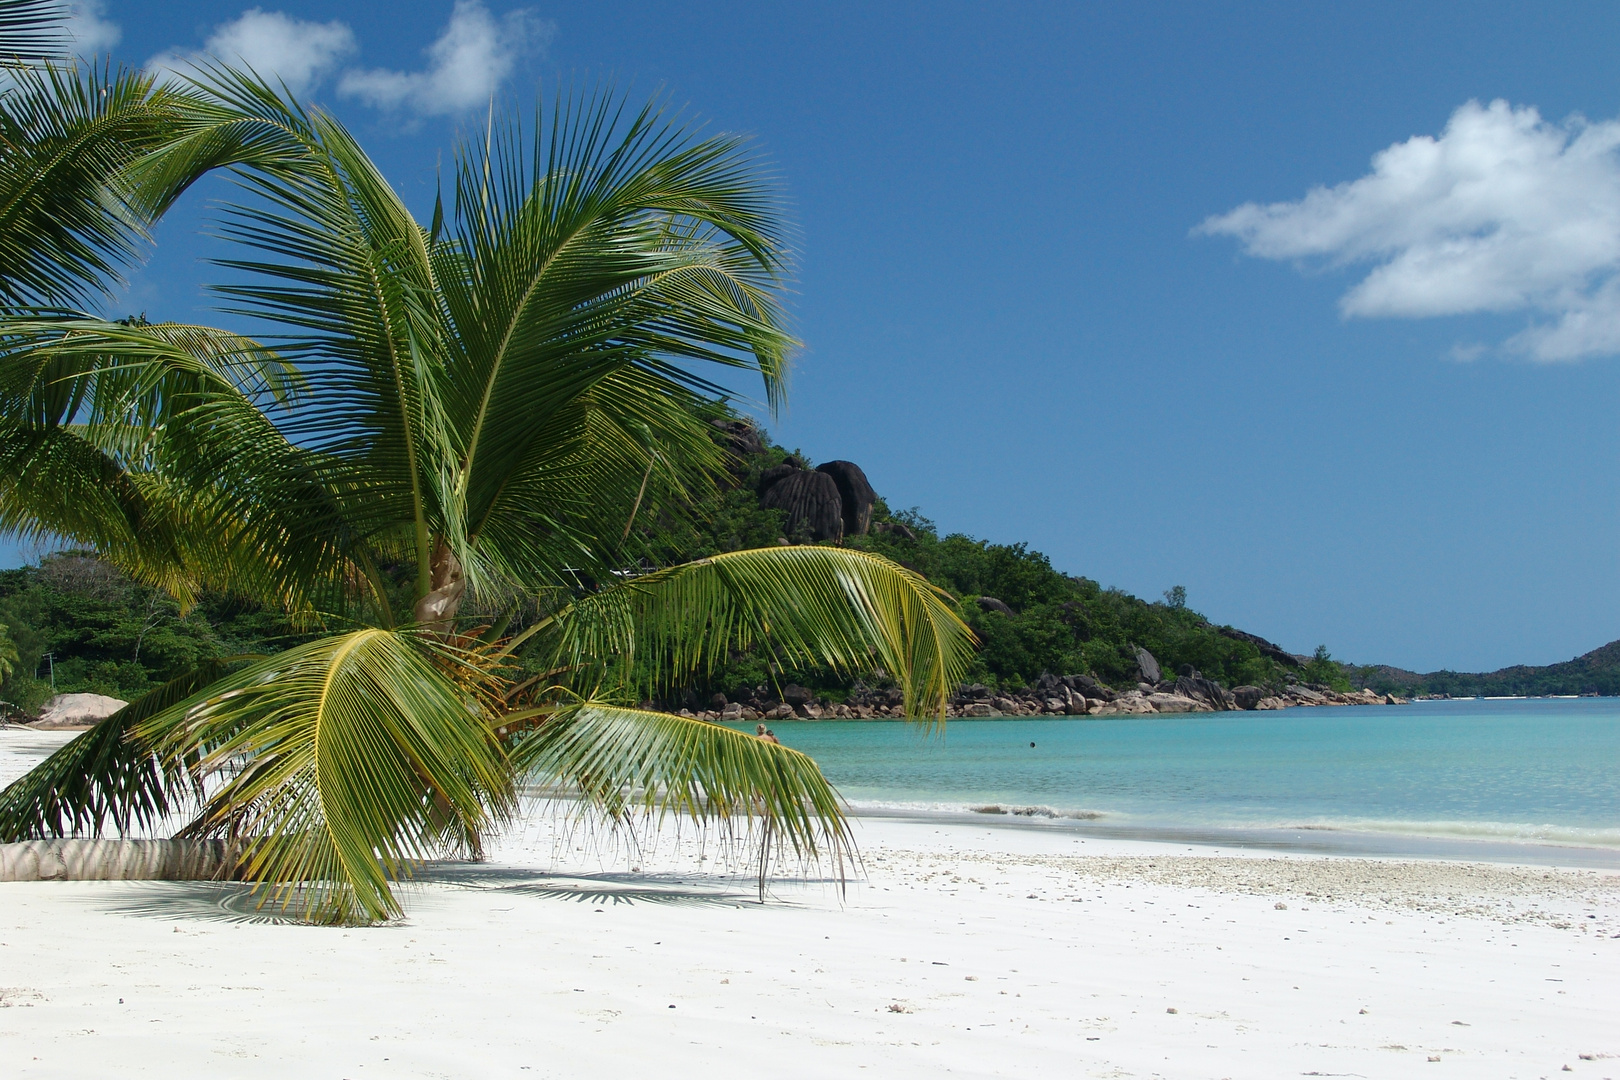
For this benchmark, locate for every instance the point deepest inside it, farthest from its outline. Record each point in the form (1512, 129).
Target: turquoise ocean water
(1539, 772)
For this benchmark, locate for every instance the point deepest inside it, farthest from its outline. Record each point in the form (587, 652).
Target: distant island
(1593, 674)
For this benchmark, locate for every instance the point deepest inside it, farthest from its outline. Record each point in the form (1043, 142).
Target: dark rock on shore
(1198, 688)
(1247, 697)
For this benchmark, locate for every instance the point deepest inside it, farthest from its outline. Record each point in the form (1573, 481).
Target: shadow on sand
(236, 903)
(193, 901)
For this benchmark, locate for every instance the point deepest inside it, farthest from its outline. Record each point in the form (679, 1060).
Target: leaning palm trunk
(119, 860)
(476, 409)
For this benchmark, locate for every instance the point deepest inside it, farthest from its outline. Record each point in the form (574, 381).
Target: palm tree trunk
(117, 860)
(436, 611)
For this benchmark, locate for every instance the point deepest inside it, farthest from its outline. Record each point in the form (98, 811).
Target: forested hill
(98, 631)
(1596, 672)
(1031, 618)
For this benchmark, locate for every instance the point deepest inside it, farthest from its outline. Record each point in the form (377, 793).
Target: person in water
(767, 734)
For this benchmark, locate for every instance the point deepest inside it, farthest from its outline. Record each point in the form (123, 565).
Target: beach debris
(1171, 1010)
(1434, 1057)
(894, 1007)
(1280, 906)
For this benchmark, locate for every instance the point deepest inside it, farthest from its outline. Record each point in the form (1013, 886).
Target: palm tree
(476, 409)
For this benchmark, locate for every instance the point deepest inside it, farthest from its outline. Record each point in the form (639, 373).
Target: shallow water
(1542, 771)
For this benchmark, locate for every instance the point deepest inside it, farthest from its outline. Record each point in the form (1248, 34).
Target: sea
(1534, 780)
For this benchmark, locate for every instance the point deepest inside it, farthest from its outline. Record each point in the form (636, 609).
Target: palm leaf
(105, 775)
(834, 608)
(67, 137)
(32, 31)
(630, 764)
(338, 764)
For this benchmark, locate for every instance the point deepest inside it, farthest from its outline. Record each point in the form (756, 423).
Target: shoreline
(1302, 840)
(20, 748)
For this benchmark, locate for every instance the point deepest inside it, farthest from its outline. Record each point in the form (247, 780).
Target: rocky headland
(1052, 695)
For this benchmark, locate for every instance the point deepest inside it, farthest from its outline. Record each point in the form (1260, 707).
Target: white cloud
(1502, 212)
(90, 32)
(468, 63)
(277, 46)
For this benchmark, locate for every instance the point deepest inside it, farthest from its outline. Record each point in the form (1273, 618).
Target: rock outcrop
(1147, 666)
(812, 503)
(854, 492)
(1198, 688)
(77, 710)
(742, 438)
(1267, 649)
(1052, 695)
(1247, 697)
(813, 498)
(990, 603)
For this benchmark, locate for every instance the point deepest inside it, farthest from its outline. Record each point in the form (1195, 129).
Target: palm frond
(148, 443)
(338, 764)
(613, 249)
(844, 610)
(105, 776)
(67, 136)
(32, 31)
(631, 764)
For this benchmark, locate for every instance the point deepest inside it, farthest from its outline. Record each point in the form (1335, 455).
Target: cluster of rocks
(829, 502)
(1081, 695)
(797, 702)
(1315, 694)
(1052, 695)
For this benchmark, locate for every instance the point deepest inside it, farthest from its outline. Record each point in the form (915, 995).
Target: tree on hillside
(437, 426)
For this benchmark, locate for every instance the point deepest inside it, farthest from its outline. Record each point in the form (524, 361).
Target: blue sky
(1380, 417)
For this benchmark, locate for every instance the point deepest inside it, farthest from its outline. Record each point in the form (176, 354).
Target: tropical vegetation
(424, 448)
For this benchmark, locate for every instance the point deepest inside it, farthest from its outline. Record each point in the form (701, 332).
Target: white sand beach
(961, 950)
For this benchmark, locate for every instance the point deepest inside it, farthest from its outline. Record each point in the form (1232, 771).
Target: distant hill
(1596, 672)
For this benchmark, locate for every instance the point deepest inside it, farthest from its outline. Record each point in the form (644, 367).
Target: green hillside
(97, 631)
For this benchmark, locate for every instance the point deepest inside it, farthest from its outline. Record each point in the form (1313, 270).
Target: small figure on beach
(767, 734)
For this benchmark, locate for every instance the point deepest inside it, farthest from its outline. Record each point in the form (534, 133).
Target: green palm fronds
(31, 31)
(820, 607)
(477, 407)
(339, 764)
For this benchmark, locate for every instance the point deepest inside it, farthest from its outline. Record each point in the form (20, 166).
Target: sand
(963, 950)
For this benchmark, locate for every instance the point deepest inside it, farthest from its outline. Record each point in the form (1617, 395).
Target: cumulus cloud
(1502, 212)
(299, 53)
(89, 30)
(467, 63)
